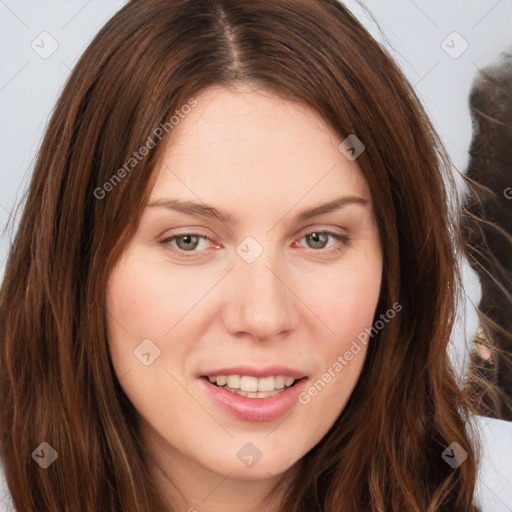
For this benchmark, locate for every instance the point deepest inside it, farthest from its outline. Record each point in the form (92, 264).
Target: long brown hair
(58, 385)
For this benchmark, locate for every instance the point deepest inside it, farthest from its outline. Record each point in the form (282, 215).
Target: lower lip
(255, 409)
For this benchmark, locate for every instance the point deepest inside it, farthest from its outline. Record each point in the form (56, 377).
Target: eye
(185, 242)
(188, 242)
(319, 239)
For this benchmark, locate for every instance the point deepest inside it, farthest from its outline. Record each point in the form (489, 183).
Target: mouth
(252, 387)
(254, 399)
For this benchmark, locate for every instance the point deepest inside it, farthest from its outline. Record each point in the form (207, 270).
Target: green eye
(187, 242)
(321, 237)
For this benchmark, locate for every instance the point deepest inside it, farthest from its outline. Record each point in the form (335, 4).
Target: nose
(261, 302)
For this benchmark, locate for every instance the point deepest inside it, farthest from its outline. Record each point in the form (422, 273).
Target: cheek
(356, 303)
(142, 307)
(347, 306)
(144, 304)
(347, 300)
(348, 309)
(135, 311)
(358, 291)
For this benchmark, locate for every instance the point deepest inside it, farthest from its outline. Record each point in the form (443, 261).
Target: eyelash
(166, 242)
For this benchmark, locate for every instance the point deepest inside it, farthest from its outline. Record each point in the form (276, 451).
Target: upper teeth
(248, 383)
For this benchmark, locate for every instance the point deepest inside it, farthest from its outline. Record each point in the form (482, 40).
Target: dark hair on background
(487, 229)
(57, 381)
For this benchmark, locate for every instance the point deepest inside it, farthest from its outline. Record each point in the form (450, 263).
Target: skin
(262, 159)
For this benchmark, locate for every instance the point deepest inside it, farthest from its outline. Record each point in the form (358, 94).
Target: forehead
(250, 145)
(248, 121)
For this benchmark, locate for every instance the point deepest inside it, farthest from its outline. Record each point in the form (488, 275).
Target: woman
(246, 196)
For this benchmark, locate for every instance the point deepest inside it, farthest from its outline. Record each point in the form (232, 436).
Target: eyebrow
(203, 210)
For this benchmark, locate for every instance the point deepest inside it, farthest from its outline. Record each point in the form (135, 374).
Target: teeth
(249, 384)
(234, 382)
(259, 394)
(279, 381)
(252, 385)
(265, 384)
(222, 380)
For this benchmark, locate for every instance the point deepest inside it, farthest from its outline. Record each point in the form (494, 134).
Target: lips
(254, 409)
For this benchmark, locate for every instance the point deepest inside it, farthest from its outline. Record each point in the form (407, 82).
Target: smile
(252, 387)
(255, 406)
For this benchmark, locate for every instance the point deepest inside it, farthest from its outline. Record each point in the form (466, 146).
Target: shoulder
(494, 482)
(6, 504)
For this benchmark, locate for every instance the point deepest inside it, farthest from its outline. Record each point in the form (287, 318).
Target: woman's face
(266, 293)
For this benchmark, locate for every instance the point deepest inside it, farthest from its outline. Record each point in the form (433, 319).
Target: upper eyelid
(305, 231)
(302, 234)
